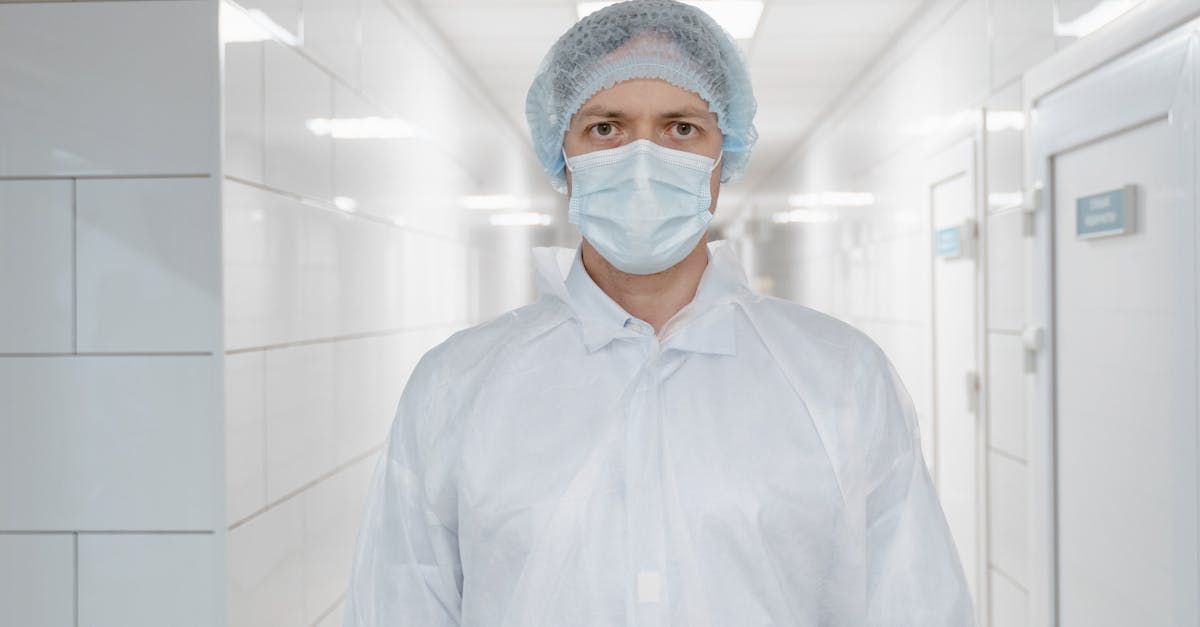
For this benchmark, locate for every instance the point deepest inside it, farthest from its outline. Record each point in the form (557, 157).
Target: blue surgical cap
(662, 39)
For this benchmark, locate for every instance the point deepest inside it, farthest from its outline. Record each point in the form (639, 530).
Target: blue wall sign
(948, 242)
(1106, 214)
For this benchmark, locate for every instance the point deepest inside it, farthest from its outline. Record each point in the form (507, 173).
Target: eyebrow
(598, 111)
(689, 112)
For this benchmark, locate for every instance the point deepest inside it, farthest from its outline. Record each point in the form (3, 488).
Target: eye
(603, 129)
(684, 129)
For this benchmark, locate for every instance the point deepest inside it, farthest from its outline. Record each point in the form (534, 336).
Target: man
(652, 443)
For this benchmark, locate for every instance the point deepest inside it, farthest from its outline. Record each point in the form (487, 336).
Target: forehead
(645, 97)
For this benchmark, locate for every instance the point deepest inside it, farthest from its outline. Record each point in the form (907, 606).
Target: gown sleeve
(914, 575)
(406, 570)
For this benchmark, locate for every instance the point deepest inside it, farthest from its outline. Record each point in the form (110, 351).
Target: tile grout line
(348, 337)
(262, 90)
(75, 587)
(266, 495)
(326, 204)
(329, 610)
(74, 266)
(112, 354)
(1009, 456)
(1013, 580)
(306, 486)
(106, 532)
(97, 177)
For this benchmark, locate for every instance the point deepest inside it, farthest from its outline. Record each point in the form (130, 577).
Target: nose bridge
(641, 127)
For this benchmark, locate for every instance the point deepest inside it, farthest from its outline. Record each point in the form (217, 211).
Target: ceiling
(802, 56)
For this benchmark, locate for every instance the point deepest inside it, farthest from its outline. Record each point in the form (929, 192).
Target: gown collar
(704, 325)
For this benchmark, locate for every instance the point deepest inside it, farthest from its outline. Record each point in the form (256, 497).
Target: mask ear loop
(566, 159)
(717, 162)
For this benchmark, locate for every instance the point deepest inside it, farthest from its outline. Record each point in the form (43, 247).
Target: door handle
(1033, 339)
(973, 392)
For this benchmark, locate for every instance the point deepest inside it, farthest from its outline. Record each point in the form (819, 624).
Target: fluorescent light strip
(345, 203)
(520, 218)
(494, 201)
(832, 199)
(361, 128)
(804, 216)
(240, 25)
(1093, 20)
(1005, 200)
(739, 17)
(998, 121)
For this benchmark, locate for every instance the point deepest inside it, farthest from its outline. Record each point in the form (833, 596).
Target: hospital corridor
(551, 313)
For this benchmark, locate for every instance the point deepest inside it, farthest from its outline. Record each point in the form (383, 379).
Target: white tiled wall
(37, 576)
(110, 338)
(145, 276)
(149, 579)
(37, 225)
(145, 70)
(344, 260)
(872, 266)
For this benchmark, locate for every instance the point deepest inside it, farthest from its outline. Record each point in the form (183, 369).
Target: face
(646, 108)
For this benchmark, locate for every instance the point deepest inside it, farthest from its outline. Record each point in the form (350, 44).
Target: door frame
(1137, 87)
(963, 151)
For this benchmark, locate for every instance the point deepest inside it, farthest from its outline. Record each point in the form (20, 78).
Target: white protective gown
(755, 464)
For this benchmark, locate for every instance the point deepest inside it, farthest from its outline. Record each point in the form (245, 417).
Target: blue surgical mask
(643, 207)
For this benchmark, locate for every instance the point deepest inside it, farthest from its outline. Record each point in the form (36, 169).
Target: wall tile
(145, 113)
(285, 13)
(1008, 498)
(298, 160)
(1006, 394)
(327, 271)
(265, 569)
(244, 124)
(388, 48)
(1005, 159)
(356, 383)
(331, 34)
(148, 265)
(263, 242)
(964, 63)
(152, 579)
(1006, 271)
(399, 355)
(378, 175)
(332, 511)
(1010, 604)
(245, 435)
(300, 416)
(82, 432)
(334, 617)
(37, 267)
(37, 580)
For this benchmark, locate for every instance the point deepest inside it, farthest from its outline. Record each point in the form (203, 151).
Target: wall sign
(948, 242)
(954, 242)
(1106, 214)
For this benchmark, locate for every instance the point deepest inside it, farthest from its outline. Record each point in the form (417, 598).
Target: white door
(1125, 350)
(955, 434)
